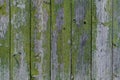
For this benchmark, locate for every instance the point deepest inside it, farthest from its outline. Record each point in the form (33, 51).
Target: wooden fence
(59, 39)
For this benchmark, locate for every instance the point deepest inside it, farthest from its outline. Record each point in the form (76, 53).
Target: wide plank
(81, 40)
(116, 39)
(4, 40)
(102, 39)
(60, 40)
(40, 40)
(20, 39)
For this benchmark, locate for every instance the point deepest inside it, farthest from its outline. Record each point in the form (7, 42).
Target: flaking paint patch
(102, 55)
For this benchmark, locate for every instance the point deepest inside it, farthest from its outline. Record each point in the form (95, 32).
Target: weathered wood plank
(40, 57)
(60, 44)
(116, 40)
(20, 39)
(81, 40)
(102, 39)
(4, 39)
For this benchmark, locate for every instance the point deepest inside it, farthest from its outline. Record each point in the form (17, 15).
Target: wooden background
(59, 39)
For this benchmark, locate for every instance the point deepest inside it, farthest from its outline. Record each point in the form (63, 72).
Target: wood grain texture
(60, 44)
(102, 39)
(20, 39)
(116, 40)
(81, 40)
(4, 40)
(40, 57)
(59, 40)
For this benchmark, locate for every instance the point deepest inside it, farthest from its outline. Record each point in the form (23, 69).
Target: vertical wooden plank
(20, 39)
(81, 40)
(116, 40)
(40, 31)
(60, 44)
(4, 40)
(102, 39)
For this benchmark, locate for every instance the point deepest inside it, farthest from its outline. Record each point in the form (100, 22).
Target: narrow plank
(60, 44)
(102, 39)
(40, 36)
(4, 39)
(81, 40)
(20, 39)
(116, 40)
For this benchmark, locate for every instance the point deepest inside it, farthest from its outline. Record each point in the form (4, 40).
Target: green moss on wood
(3, 8)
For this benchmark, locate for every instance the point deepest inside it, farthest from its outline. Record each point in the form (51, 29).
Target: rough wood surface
(4, 39)
(40, 31)
(60, 44)
(59, 40)
(102, 40)
(81, 40)
(20, 39)
(116, 40)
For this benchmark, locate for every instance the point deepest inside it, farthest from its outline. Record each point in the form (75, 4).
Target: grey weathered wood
(20, 39)
(4, 39)
(116, 40)
(60, 44)
(81, 40)
(40, 36)
(61, 40)
(102, 39)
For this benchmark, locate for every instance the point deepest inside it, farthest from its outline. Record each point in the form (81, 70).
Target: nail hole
(14, 55)
(20, 53)
(114, 45)
(74, 20)
(64, 28)
(46, 2)
(84, 22)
